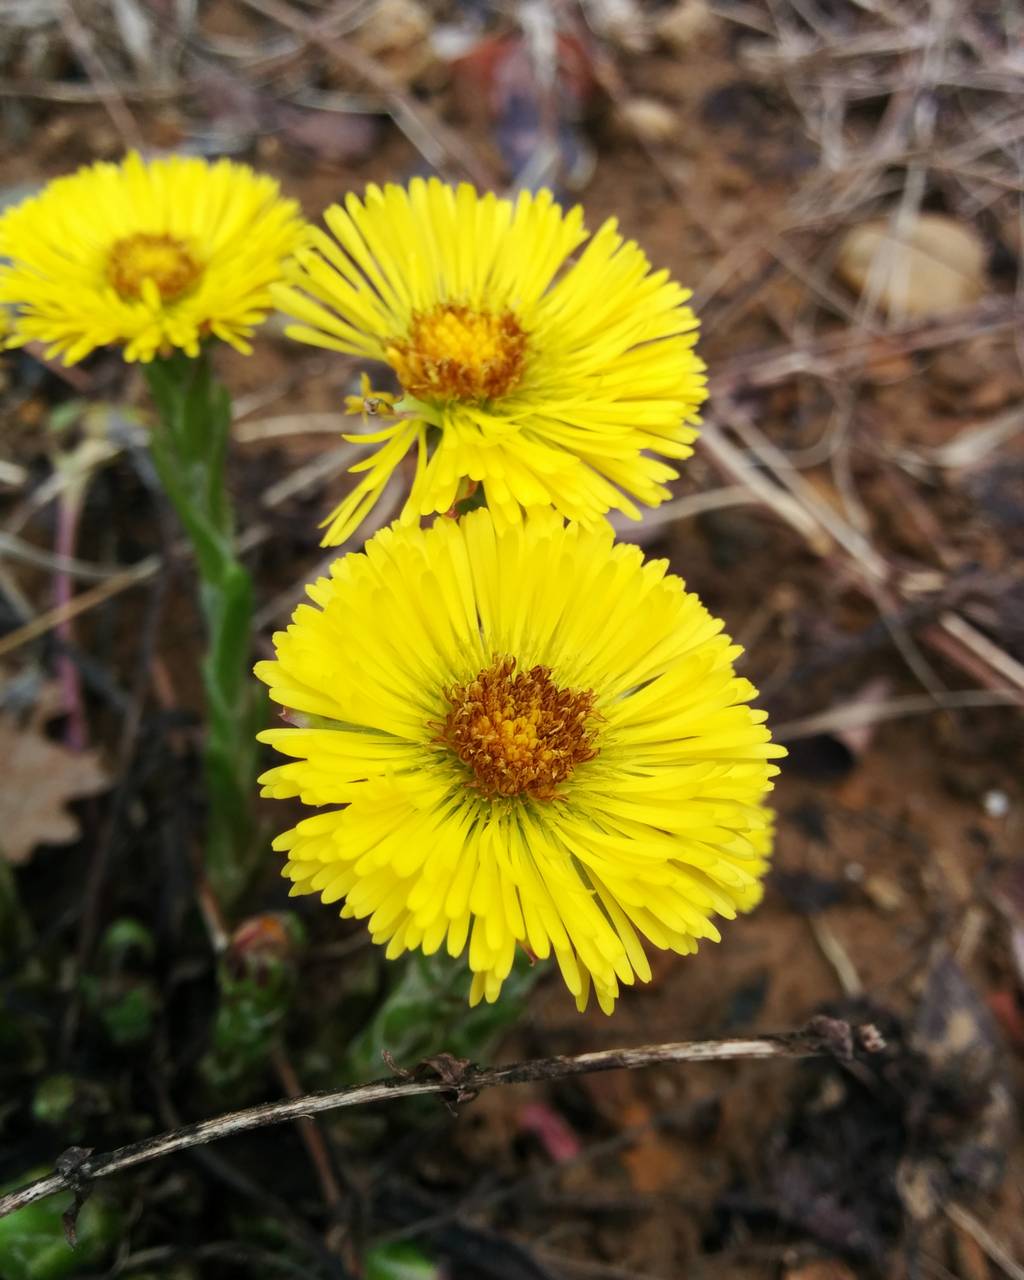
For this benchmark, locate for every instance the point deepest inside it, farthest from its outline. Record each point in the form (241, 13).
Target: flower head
(523, 736)
(148, 255)
(550, 381)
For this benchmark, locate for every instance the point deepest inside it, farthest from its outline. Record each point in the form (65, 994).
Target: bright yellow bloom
(149, 255)
(549, 381)
(536, 739)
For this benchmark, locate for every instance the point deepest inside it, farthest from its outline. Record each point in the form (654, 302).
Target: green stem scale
(189, 448)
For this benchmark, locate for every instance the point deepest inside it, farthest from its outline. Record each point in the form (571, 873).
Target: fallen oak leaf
(42, 778)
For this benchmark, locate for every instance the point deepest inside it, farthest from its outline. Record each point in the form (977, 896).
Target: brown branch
(454, 1079)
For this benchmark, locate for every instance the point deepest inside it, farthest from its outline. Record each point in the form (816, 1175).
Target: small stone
(996, 803)
(932, 267)
(682, 25)
(886, 894)
(393, 26)
(650, 120)
(397, 33)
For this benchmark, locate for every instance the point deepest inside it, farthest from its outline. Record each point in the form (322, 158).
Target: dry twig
(439, 145)
(859, 715)
(81, 39)
(453, 1079)
(994, 1248)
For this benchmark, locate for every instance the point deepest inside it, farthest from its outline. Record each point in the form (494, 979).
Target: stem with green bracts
(189, 447)
(426, 1012)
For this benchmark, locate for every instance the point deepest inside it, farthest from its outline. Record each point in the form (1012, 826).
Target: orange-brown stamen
(519, 733)
(164, 259)
(454, 352)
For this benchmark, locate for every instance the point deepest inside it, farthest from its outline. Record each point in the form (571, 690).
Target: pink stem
(76, 734)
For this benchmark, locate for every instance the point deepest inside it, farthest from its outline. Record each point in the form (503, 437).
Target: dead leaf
(653, 1162)
(954, 1031)
(971, 1106)
(42, 777)
(932, 267)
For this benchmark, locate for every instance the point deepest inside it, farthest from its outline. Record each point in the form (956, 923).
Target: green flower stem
(15, 929)
(189, 448)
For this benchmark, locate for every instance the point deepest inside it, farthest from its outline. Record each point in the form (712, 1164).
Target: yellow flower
(549, 381)
(534, 738)
(146, 254)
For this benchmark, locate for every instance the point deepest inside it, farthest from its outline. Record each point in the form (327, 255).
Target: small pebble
(996, 803)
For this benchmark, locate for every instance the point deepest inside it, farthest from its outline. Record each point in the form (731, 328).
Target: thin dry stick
(732, 463)
(289, 424)
(85, 94)
(1008, 670)
(972, 444)
(450, 1077)
(857, 547)
(79, 604)
(683, 508)
(106, 90)
(994, 1248)
(435, 141)
(113, 586)
(839, 355)
(858, 715)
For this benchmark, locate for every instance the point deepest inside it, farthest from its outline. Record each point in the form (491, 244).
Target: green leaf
(32, 1243)
(426, 1011)
(257, 977)
(399, 1262)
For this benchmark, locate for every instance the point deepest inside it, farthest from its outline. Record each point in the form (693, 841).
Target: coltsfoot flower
(523, 736)
(551, 382)
(149, 255)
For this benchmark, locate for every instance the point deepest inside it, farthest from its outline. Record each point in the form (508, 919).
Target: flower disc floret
(147, 255)
(518, 731)
(456, 353)
(551, 366)
(519, 736)
(165, 261)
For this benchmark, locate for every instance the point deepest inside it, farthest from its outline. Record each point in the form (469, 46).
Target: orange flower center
(456, 353)
(163, 259)
(519, 732)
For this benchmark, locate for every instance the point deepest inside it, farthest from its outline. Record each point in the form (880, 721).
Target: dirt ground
(863, 539)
